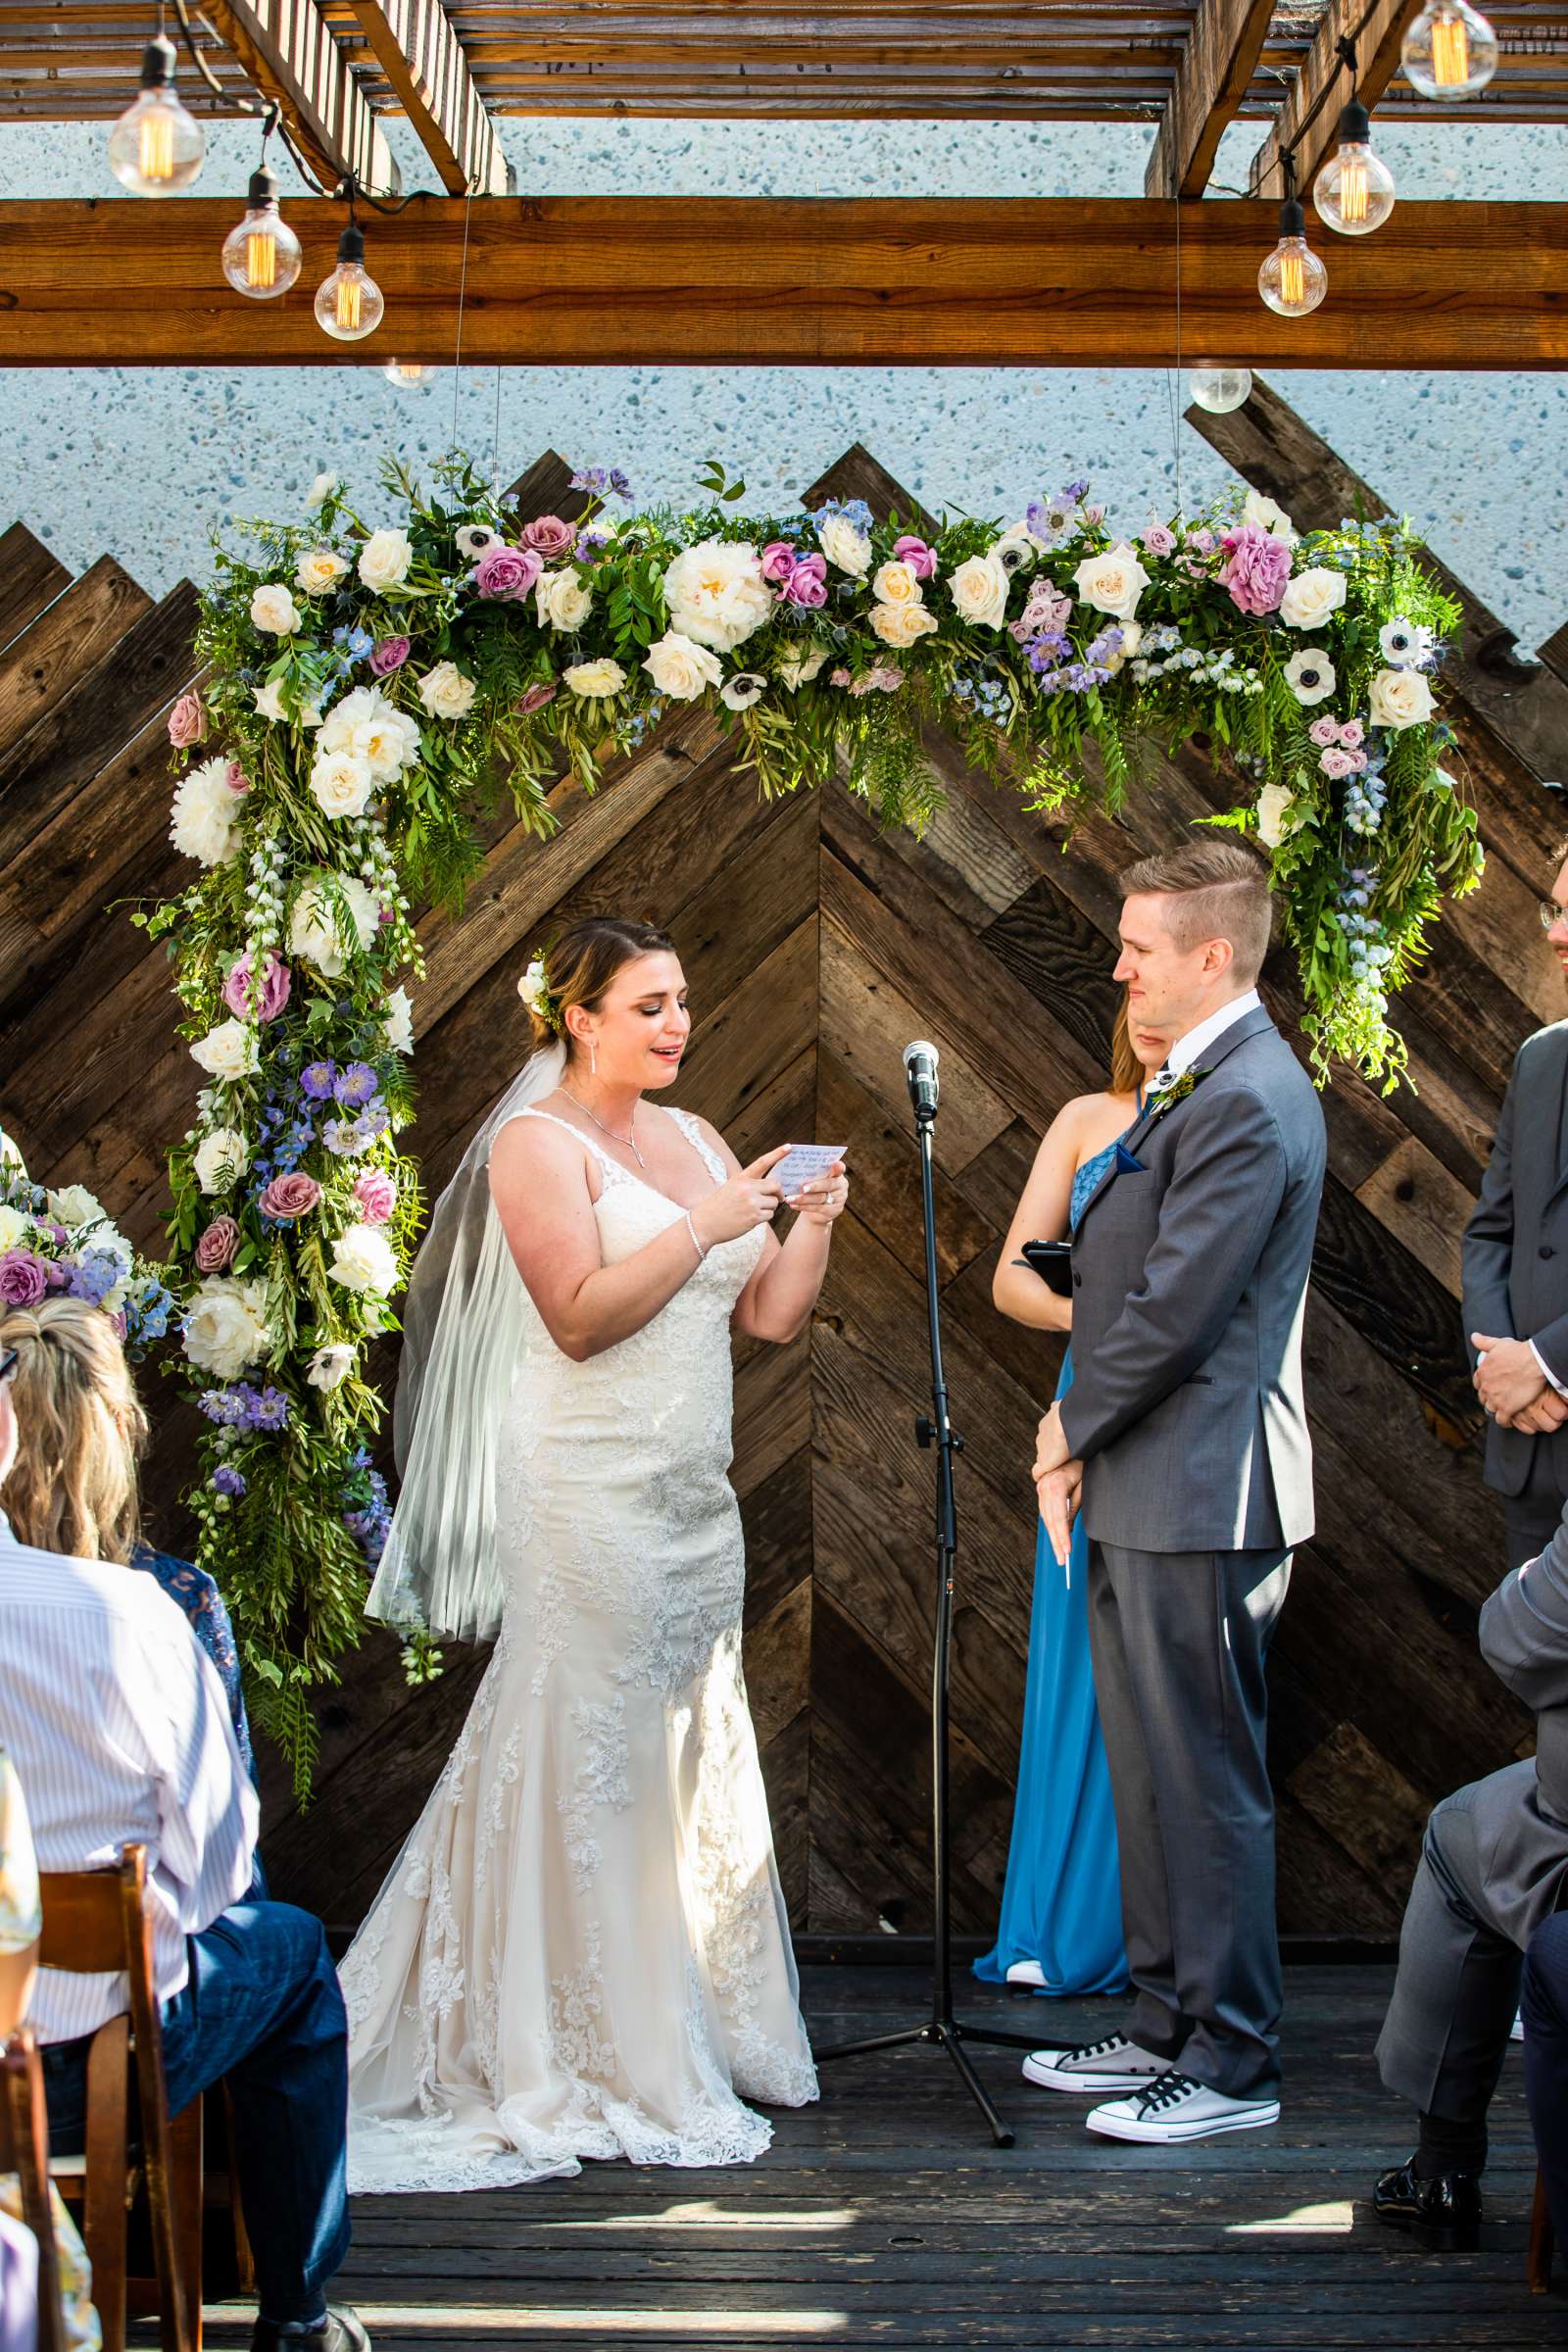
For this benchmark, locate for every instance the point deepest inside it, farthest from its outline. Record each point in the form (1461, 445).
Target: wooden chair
(25, 2151)
(97, 1922)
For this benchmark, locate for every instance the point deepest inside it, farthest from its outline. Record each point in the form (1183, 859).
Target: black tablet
(1053, 1262)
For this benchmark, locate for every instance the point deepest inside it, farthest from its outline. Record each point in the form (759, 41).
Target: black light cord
(1344, 55)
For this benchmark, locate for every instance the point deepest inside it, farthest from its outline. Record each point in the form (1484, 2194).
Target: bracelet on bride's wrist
(696, 1243)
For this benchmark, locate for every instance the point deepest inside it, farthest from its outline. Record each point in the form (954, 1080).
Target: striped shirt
(116, 1724)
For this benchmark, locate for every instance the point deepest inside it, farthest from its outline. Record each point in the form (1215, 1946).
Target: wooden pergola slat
(424, 62)
(1377, 56)
(290, 54)
(1217, 65)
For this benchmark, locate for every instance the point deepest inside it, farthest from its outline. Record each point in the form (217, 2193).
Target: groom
(1184, 1436)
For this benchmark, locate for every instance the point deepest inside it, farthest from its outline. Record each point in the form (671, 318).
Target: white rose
(1400, 698)
(313, 926)
(229, 1051)
(740, 692)
(902, 624)
(330, 1366)
(682, 668)
(367, 724)
(897, 584)
(269, 699)
(717, 593)
(445, 692)
(74, 1206)
(1311, 596)
(979, 589)
(220, 1160)
(1268, 517)
(320, 490)
(792, 676)
(318, 570)
(384, 560)
(205, 824)
(562, 601)
(1309, 676)
(841, 544)
(398, 1021)
(1273, 802)
(341, 785)
(224, 1328)
(1112, 582)
(274, 610)
(13, 1225)
(595, 682)
(364, 1259)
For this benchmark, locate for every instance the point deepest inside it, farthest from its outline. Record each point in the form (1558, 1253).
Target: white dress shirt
(117, 1723)
(1191, 1049)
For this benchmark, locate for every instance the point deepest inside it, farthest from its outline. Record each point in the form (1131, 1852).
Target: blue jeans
(1544, 2002)
(262, 2008)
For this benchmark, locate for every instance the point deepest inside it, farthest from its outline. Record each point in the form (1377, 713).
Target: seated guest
(82, 1433)
(117, 1723)
(1493, 1865)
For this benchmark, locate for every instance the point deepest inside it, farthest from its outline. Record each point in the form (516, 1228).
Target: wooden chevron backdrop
(815, 948)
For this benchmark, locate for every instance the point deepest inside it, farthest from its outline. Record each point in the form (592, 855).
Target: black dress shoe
(1443, 2212)
(342, 2331)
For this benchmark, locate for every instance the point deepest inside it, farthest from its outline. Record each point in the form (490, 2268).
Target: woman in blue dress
(1060, 1928)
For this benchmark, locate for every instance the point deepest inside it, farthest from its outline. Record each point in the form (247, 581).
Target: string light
(261, 255)
(1449, 51)
(409, 376)
(1353, 193)
(1292, 280)
(349, 303)
(1219, 390)
(157, 147)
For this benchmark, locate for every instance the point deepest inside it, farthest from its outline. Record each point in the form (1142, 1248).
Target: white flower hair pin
(534, 990)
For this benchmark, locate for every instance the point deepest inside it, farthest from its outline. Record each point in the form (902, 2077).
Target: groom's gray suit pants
(1179, 1642)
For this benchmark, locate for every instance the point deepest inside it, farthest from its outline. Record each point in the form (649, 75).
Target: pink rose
(535, 699)
(1255, 570)
(289, 1197)
(548, 536)
(839, 677)
(778, 559)
(1335, 762)
(1201, 542)
(920, 559)
(1159, 540)
(508, 571)
(1324, 731)
(1350, 734)
(1092, 514)
(187, 722)
(376, 1194)
(235, 779)
(275, 983)
(387, 654)
(1357, 760)
(218, 1245)
(23, 1279)
(806, 584)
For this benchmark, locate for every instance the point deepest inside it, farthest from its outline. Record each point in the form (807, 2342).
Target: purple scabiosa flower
(228, 1482)
(269, 1410)
(354, 1087)
(318, 1080)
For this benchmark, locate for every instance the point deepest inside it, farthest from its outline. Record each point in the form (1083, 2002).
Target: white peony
(979, 589)
(330, 1366)
(1311, 596)
(716, 593)
(320, 490)
(398, 1021)
(231, 1050)
(205, 817)
(1268, 517)
(74, 1206)
(220, 1160)
(682, 668)
(269, 699)
(1112, 582)
(341, 784)
(1273, 806)
(374, 731)
(562, 601)
(13, 1226)
(902, 624)
(1310, 677)
(313, 930)
(743, 689)
(273, 610)
(595, 682)
(1400, 698)
(364, 1259)
(794, 674)
(843, 545)
(897, 583)
(226, 1325)
(384, 560)
(318, 570)
(445, 692)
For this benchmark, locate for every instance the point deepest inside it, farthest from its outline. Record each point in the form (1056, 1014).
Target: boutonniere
(1177, 1092)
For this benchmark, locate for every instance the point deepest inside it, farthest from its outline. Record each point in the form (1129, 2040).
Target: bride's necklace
(627, 1143)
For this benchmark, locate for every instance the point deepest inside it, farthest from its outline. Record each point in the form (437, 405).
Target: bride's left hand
(825, 1197)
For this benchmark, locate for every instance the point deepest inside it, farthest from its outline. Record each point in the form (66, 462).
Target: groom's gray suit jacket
(1190, 1283)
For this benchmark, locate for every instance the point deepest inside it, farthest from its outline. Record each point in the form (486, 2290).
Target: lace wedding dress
(582, 1948)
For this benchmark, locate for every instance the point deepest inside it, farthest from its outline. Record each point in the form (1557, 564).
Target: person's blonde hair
(80, 1430)
(1217, 891)
(1127, 1072)
(581, 963)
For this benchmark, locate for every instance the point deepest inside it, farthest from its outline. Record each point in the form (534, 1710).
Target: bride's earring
(593, 1060)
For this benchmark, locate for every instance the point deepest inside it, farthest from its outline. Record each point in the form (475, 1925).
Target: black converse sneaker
(1095, 2069)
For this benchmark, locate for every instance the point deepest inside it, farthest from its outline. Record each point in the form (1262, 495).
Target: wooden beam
(422, 59)
(1219, 60)
(754, 281)
(289, 53)
(1377, 61)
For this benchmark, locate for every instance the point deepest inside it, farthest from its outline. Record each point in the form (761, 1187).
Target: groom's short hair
(1219, 890)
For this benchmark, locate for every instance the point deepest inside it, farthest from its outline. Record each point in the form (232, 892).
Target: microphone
(920, 1069)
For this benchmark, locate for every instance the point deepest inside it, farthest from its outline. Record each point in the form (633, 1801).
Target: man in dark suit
(1516, 1279)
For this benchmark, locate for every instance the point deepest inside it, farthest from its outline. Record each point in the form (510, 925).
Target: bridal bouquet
(63, 1243)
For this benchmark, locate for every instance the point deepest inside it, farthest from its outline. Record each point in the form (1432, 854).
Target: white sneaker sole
(1157, 2134)
(1087, 2087)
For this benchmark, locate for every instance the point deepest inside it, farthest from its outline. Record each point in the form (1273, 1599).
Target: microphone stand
(942, 2029)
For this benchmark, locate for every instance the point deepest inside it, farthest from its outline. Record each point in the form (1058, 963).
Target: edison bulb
(349, 304)
(1353, 193)
(1449, 52)
(157, 148)
(1292, 280)
(261, 255)
(409, 375)
(1219, 390)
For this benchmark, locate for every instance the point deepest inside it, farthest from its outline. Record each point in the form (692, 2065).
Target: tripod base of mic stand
(949, 2035)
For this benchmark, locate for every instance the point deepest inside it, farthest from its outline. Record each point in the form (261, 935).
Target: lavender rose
(1159, 540)
(387, 654)
(777, 561)
(806, 584)
(276, 980)
(187, 722)
(507, 572)
(376, 1194)
(23, 1281)
(1255, 570)
(548, 536)
(289, 1197)
(214, 1251)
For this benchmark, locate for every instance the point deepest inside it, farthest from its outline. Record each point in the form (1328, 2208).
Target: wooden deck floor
(885, 2217)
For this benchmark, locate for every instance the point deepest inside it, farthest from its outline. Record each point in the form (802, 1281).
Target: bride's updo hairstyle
(577, 968)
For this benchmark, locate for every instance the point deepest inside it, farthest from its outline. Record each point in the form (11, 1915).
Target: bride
(582, 1948)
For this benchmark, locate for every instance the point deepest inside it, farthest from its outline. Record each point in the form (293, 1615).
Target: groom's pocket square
(1127, 1162)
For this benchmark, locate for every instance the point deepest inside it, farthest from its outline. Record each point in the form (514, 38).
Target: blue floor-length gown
(1061, 1902)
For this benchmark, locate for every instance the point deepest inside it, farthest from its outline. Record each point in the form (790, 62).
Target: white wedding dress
(582, 1949)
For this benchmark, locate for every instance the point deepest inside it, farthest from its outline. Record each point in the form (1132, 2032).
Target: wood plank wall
(817, 947)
